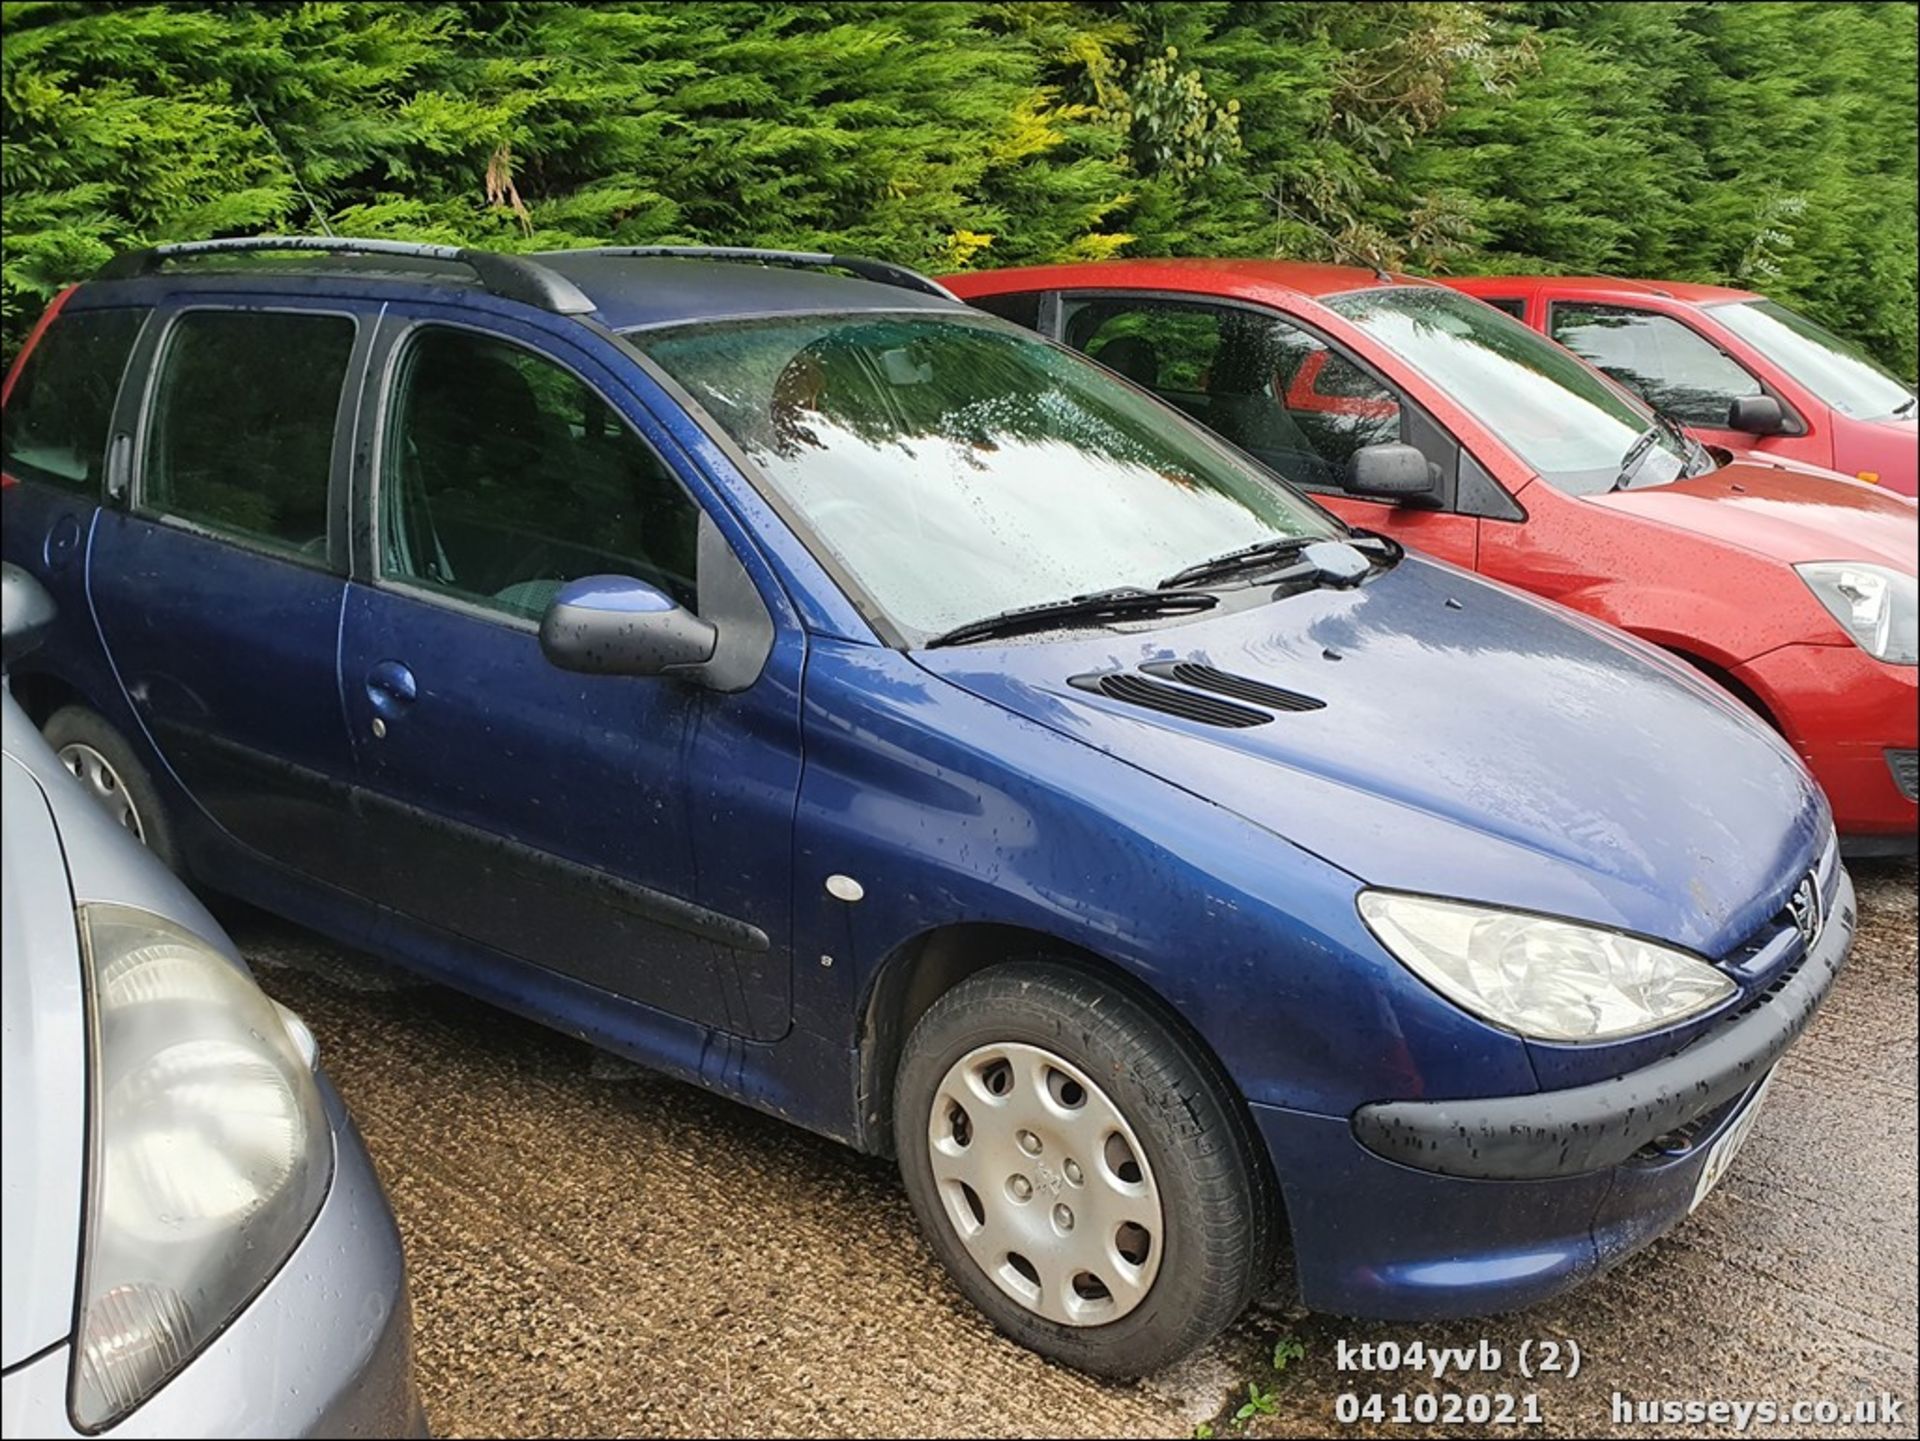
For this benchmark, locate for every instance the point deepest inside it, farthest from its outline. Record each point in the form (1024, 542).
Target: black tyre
(108, 768)
(1079, 1169)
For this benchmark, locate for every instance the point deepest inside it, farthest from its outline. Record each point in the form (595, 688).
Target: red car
(1737, 369)
(1437, 420)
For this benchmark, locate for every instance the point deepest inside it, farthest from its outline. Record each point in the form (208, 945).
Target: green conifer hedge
(1771, 145)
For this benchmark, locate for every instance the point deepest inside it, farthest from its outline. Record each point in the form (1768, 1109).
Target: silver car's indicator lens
(1877, 606)
(209, 1153)
(1545, 979)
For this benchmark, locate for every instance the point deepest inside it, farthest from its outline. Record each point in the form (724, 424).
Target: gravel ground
(595, 1250)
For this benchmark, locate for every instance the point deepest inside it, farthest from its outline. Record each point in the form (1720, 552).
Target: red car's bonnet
(1788, 515)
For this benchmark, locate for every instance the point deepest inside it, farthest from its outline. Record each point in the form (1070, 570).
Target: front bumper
(326, 1349)
(1844, 711)
(1589, 1128)
(1428, 1209)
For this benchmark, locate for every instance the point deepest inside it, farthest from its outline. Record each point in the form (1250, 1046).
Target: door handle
(119, 465)
(390, 691)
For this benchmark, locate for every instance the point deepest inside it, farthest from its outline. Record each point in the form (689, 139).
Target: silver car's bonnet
(43, 1071)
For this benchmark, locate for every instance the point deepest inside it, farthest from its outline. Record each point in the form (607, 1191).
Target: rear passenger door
(218, 584)
(632, 833)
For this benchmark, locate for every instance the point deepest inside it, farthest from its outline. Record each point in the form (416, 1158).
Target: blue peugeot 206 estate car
(857, 705)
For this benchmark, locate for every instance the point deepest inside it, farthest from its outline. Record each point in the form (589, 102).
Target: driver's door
(632, 833)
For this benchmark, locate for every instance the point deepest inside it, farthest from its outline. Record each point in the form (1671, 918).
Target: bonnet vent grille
(1220, 682)
(1170, 700)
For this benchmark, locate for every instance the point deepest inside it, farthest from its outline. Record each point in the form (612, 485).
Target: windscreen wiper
(1691, 450)
(1373, 542)
(1257, 556)
(1904, 406)
(1630, 462)
(1125, 604)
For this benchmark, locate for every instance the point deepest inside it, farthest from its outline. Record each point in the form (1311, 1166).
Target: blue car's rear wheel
(1079, 1169)
(112, 774)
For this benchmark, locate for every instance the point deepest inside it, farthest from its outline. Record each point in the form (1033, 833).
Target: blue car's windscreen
(959, 468)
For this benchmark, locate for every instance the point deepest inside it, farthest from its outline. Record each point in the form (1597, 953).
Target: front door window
(1277, 391)
(506, 477)
(1656, 356)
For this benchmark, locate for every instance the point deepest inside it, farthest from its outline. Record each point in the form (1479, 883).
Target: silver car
(195, 1241)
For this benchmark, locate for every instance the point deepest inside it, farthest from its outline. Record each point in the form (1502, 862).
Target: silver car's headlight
(1545, 979)
(209, 1154)
(1877, 606)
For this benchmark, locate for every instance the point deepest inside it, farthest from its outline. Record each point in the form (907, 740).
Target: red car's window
(1656, 356)
(1841, 374)
(1580, 433)
(1273, 389)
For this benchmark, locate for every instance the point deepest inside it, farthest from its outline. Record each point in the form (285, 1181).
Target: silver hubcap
(105, 784)
(1046, 1184)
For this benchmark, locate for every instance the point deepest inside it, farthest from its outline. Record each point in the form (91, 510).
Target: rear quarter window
(56, 420)
(1022, 307)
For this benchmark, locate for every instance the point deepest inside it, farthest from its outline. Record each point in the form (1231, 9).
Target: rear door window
(62, 402)
(1669, 363)
(244, 412)
(504, 476)
(1512, 305)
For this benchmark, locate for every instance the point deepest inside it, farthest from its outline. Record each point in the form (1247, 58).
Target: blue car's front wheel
(1079, 1169)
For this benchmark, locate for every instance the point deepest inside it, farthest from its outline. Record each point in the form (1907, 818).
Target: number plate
(1720, 1157)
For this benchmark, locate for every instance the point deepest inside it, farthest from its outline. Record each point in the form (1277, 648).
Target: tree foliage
(1771, 145)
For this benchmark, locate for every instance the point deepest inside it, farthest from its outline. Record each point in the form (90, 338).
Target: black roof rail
(511, 277)
(882, 271)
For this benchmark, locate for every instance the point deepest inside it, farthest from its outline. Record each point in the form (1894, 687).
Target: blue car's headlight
(209, 1154)
(1548, 980)
(1877, 606)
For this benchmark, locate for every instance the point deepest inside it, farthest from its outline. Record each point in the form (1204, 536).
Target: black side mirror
(1392, 471)
(1757, 415)
(26, 613)
(615, 625)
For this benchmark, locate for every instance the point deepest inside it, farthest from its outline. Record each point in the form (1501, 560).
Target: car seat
(1133, 356)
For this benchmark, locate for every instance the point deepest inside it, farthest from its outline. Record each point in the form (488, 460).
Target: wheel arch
(925, 967)
(41, 692)
(1723, 677)
(920, 970)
